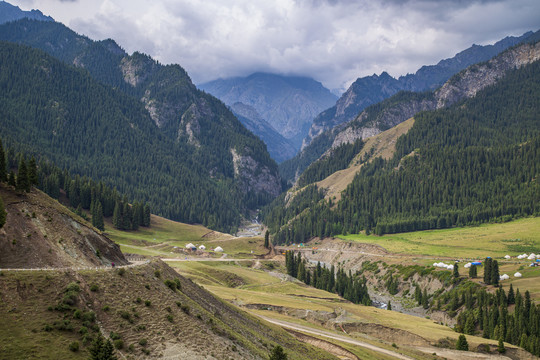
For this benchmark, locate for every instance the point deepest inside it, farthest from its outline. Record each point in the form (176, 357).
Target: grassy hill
(147, 309)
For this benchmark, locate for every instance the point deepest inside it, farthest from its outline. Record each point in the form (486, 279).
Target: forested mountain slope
(405, 104)
(373, 89)
(474, 162)
(60, 112)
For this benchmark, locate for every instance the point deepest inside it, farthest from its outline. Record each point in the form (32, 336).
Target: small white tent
(518, 274)
(532, 257)
(202, 247)
(218, 249)
(507, 256)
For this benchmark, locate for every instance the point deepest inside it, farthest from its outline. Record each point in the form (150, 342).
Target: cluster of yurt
(443, 266)
(532, 256)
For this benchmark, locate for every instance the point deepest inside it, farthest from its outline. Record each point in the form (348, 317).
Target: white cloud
(332, 41)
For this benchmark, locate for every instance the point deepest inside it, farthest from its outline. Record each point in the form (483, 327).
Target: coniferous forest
(62, 114)
(475, 162)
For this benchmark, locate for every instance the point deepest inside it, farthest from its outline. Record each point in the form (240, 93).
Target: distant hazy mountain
(372, 89)
(279, 148)
(287, 103)
(10, 12)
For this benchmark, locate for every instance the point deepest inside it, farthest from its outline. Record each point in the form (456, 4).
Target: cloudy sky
(332, 41)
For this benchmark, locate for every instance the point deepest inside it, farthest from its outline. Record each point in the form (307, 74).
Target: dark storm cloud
(333, 41)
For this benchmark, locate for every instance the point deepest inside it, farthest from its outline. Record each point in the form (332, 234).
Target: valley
(145, 217)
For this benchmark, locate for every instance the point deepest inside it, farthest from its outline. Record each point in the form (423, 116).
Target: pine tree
(11, 179)
(511, 299)
(462, 343)
(3, 168)
(500, 348)
(2, 213)
(473, 272)
(495, 273)
(23, 183)
(97, 216)
(117, 216)
(278, 354)
(267, 239)
(146, 216)
(389, 306)
(469, 324)
(456, 271)
(487, 271)
(32, 172)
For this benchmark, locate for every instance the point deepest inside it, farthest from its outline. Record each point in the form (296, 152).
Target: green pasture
(496, 240)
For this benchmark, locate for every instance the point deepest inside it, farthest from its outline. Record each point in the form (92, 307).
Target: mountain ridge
(288, 103)
(372, 89)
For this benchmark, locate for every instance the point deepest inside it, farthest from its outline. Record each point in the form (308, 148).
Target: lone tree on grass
(278, 354)
(456, 271)
(462, 343)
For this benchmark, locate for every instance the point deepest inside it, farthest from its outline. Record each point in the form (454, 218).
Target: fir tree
(11, 179)
(23, 183)
(3, 169)
(32, 172)
(278, 354)
(146, 216)
(500, 348)
(462, 343)
(2, 213)
(511, 299)
(117, 216)
(473, 272)
(495, 273)
(267, 239)
(102, 349)
(97, 216)
(487, 271)
(389, 306)
(456, 271)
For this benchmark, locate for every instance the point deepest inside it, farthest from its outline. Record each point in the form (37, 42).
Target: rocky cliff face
(254, 176)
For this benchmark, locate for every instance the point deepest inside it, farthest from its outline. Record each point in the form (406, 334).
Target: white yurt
(218, 249)
(518, 274)
(507, 256)
(190, 246)
(504, 277)
(202, 247)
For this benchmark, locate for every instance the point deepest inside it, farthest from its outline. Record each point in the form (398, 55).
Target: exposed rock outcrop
(254, 176)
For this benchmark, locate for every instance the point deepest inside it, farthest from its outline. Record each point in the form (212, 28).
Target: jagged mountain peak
(10, 12)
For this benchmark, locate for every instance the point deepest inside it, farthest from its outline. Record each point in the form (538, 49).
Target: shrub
(147, 303)
(119, 344)
(77, 314)
(74, 346)
(147, 286)
(157, 273)
(106, 308)
(170, 318)
(178, 303)
(185, 309)
(94, 287)
(114, 336)
(131, 348)
(121, 271)
(47, 328)
(89, 316)
(83, 330)
(143, 342)
(178, 284)
(170, 284)
(138, 300)
(125, 315)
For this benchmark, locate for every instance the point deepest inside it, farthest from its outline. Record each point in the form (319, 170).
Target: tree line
(81, 192)
(346, 285)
